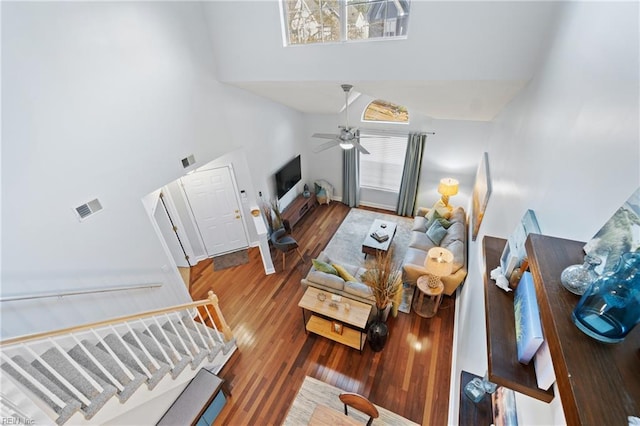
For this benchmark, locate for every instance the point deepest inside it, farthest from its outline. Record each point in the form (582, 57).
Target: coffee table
(333, 320)
(370, 245)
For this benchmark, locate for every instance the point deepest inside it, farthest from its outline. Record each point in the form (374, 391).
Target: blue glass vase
(610, 307)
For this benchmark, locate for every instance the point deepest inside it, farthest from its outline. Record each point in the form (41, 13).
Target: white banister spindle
(142, 347)
(35, 382)
(58, 376)
(77, 366)
(206, 329)
(113, 355)
(166, 339)
(196, 348)
(213, 323)
(194, 351)
(197, 329)
(143, 367)
(159, 345)
(98, 364)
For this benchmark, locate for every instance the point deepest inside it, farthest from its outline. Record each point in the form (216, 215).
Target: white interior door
(215, 207)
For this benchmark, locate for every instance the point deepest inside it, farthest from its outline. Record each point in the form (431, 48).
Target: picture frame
(336, 327)
(514, 251)
(620, 234)
(480, 195)
(503, 407)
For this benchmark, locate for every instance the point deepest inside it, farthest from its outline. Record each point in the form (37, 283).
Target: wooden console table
(351, 322)
(300, 206)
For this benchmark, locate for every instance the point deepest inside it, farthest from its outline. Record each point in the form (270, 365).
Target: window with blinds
(382, 168)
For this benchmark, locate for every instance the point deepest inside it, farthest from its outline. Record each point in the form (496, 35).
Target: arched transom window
(380, 110)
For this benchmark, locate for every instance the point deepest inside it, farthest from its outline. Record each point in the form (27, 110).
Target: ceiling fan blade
(360, 148)
(324, 135)
(326, 145)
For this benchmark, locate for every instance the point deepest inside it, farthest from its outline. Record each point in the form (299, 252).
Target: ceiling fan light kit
(348, 137)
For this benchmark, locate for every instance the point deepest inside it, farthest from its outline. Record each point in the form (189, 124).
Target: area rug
(346, 244)
(230, 260)
(314, 392)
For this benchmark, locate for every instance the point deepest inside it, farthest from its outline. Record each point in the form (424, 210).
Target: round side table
(428, 301)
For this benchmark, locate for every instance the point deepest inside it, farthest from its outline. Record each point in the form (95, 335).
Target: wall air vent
(86, 210)
(187, 161)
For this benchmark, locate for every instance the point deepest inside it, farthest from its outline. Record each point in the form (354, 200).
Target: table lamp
(447, 188)
(438, 263)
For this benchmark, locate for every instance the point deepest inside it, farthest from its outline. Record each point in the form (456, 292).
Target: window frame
(343, 25)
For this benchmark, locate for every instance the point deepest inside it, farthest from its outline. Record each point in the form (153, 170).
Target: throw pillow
(442, 209)
(436, 232)
(324, 267)
(343, 273)
(433, 216)
(446, 223)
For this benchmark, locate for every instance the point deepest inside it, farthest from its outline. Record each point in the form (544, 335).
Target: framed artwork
(514, 251)
(480, 196)
(503, 405)
(336, 327)
(621, 234)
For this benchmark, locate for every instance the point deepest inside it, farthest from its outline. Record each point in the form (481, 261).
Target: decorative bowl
(321, 297)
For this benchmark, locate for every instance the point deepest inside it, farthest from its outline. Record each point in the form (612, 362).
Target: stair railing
(216, 321)
(197, 314)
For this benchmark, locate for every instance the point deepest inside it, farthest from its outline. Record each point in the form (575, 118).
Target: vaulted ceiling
(461, 60)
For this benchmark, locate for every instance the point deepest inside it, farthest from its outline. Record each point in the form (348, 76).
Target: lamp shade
(448, 187)
(439, 262)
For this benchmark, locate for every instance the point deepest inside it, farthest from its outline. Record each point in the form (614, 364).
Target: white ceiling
(459, 100)
(461, 60)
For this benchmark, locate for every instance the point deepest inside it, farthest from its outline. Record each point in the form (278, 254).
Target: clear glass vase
(577, 278)
(610, 307)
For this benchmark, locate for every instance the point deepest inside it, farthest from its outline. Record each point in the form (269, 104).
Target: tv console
(300, 206)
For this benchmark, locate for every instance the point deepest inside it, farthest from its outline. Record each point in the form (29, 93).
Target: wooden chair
(360, 403)
(285, 243)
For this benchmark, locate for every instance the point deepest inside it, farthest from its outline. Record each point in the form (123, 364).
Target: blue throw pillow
(436, 232)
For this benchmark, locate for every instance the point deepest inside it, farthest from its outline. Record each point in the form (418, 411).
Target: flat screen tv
(288, 176)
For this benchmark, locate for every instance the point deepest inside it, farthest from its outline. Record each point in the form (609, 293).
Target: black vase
(377, 334)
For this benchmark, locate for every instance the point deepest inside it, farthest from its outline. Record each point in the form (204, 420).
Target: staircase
(97, 373)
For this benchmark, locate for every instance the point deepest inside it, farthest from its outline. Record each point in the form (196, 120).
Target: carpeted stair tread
(109, 364)
(184, 333)
(119, 349)
(64, 413)
(196, 357)
(179, 362)
(66, 369)
(214, 347)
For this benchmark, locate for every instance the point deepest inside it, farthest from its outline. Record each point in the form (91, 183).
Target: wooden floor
(410, 376)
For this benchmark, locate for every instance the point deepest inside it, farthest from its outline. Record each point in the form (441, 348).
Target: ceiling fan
(347, 138)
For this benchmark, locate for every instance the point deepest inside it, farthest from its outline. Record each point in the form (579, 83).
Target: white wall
(103, 100)
(456, 41)
(453, 151)
(567, 147)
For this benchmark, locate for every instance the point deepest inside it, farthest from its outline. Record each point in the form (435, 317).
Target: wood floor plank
(410, 376)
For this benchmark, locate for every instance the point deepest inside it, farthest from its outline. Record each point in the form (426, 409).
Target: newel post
(224, 327)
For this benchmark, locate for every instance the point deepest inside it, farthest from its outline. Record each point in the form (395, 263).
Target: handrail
(211, 300)
(76, 292)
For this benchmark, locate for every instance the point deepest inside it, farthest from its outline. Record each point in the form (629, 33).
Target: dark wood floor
(410, 376)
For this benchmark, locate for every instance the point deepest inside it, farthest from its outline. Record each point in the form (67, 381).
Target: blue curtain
(411, 174)
(351, 177)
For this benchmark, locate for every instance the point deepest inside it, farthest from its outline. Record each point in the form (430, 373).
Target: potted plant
(384, 277)
(272, 214)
